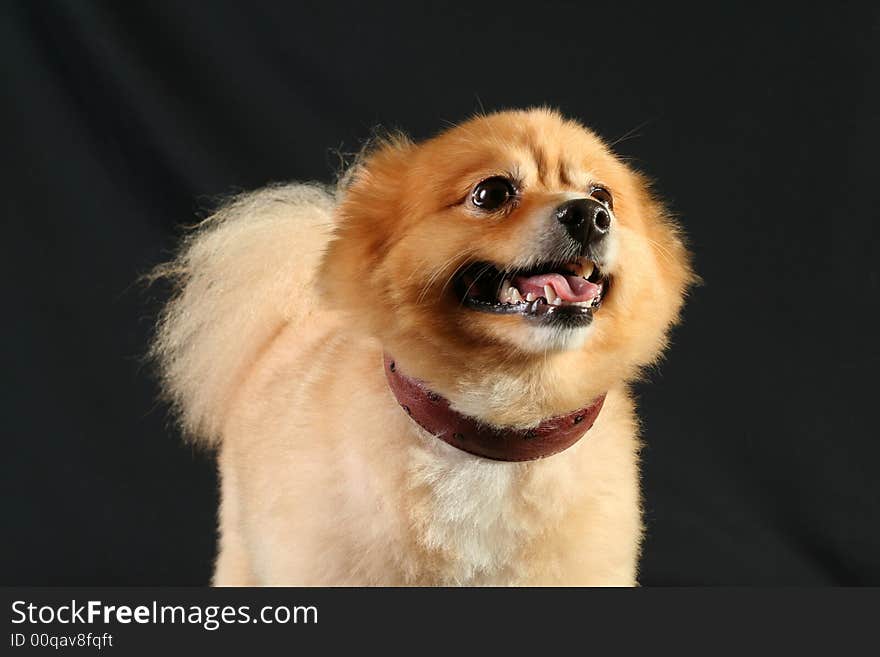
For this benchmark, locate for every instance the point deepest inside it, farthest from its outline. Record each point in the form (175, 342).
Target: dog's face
(510, 260)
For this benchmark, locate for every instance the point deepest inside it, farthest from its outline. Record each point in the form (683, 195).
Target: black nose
(587, 221)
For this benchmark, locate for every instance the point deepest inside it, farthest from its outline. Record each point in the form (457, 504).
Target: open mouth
(567, 293)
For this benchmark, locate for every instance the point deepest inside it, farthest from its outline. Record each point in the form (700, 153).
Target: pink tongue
(567, 288)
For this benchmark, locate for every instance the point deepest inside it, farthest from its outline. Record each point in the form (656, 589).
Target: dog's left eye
(492, 193)
(602, 195)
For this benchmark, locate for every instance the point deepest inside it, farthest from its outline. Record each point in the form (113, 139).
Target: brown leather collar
(432, 412)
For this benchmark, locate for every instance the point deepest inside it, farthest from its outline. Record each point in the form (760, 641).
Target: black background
(122, 121)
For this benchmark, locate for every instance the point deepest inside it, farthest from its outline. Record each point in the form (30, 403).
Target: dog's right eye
(492, 193)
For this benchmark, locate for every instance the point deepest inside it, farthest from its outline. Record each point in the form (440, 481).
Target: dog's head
(513, 262)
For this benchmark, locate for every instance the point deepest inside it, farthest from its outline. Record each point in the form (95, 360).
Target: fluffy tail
(238, 278)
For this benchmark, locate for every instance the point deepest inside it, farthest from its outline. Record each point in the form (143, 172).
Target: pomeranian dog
(420, 376)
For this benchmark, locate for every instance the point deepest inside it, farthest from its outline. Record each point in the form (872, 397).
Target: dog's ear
(369, 201)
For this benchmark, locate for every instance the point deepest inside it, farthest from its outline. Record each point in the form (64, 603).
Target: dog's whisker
(662, 250)
(450, 278)
(439, 272)
(483, 270)
(433, 278)
(631, 133)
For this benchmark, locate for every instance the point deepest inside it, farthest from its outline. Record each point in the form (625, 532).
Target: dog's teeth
(587, 267)
(504, 295)
(557, 301)
(549, 293)
(514, 295)
(530, 297)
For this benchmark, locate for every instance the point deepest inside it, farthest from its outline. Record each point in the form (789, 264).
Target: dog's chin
(541, 339)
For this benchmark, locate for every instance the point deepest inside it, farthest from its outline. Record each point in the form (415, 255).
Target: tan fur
(272, 352)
